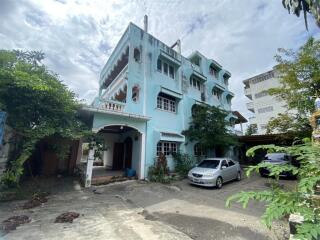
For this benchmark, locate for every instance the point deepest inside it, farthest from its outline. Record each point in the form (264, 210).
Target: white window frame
(195, 83)
(217, 93)
(167, 148)
(163, 63)
(198, 150)
(166, 104)
(265, 109)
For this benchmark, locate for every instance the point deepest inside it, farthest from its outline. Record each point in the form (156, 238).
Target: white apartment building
(262, 105)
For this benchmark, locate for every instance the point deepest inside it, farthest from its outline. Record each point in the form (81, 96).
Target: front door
(128, 153)
(118, 156)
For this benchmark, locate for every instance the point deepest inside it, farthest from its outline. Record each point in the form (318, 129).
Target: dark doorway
(118, 150)
(219, 151)
(128, 152)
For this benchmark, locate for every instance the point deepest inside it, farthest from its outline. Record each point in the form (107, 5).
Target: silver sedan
(212, 172)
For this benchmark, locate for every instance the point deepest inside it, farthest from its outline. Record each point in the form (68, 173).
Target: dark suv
(278, 158)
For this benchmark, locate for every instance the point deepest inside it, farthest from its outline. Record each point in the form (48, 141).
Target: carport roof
(108, 112)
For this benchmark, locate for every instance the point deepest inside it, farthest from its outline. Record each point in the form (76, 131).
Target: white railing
(118, 80)
(247, 91)
(250, 106)
(112, 106)
(196, 68)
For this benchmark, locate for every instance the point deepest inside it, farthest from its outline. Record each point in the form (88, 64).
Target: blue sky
(78, 36)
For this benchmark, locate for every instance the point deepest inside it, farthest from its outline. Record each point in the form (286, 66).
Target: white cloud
(78, 36)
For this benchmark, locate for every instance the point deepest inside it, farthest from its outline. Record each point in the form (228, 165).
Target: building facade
(147, 92)
(261, 104)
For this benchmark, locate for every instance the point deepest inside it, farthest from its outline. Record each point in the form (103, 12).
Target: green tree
(304, 6)
(209, 127)
(38, 105)
(252, 129)
(280, 202)
(299, 74)
(292, 124)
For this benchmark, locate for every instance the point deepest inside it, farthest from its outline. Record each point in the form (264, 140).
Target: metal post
(89, 168)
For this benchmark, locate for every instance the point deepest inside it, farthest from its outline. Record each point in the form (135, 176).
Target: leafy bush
(302, 200)
(159, 172)
(183, 163)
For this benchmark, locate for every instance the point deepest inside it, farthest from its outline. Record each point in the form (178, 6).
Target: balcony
(250, 106)
(196, 68)
(247, 92)
(119, 81)
(111, 105)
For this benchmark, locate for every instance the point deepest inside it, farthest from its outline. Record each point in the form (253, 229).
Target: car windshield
(209, 164)
(275, 156)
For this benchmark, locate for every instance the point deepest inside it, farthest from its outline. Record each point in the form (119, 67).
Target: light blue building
(147, 91)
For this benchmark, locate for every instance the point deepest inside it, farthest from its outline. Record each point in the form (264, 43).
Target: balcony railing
(112, 106)
(118, 80)
(196, 68)
(250, 106)
(247, 92)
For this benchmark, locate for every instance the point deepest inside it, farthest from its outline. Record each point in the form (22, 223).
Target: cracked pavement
(140, 210)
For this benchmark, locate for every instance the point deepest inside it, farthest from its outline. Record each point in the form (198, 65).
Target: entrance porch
(119, 144)
(121, 150)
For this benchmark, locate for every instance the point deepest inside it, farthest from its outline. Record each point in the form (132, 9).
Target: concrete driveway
(139, 210)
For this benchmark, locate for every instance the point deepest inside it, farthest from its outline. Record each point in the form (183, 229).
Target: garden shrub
(183, 162)
(303, 200)
(159, 172)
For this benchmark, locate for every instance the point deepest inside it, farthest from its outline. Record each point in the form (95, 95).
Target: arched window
(136, 55)
(232, 121)
(199, 150)
(135, 93)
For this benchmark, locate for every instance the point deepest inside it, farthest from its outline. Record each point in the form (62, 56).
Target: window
(217, 93)
(166, 68)
(199, 150)
(196, 60)
(159, 65)
(262, 77)
(209, 164)
(224, 163)
(172, 106)
(226, 79)
(230, 163)
(263, 126)
(195, 83)
(167, 103)
(261, 94)
(229, 99)
(171, 71)
(136, 55)
(265, 109)
(167, 148)
(135, 93)
(214, 71)
(232, 122)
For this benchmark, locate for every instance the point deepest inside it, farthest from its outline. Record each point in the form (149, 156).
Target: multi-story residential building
(147, 93)
(261, 104)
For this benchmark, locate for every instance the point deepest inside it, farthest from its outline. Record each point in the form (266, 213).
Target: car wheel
(239, 176)
(219, 182)
(262, 175)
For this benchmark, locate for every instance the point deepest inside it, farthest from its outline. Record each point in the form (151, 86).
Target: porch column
(89, 168)
(143, 156)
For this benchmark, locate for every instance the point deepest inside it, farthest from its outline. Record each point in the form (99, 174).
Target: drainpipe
(144, 52)
(179, 46)
(145, 22)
